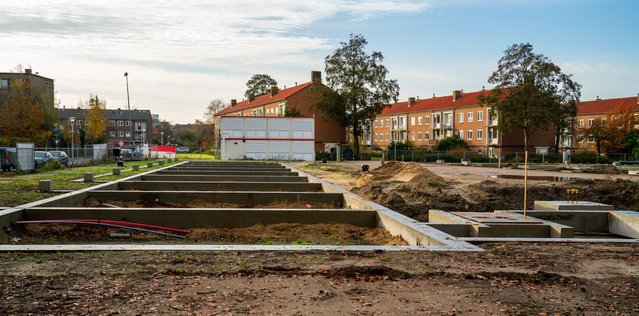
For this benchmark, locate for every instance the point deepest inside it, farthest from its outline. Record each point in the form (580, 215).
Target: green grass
(18, 189)
(192, 156)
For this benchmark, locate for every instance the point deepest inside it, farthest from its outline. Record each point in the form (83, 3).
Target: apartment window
(121, 133)
(461, 117)
(470, 117)
(111, 123)
(480, 116)
(436, 134)
(461, 133)
(581, 123)
(78, 122)
(469, 134)
(111, 134)
(590, 121)
(387, 138)
(419, 120)
(448, 119)
(127, 123)
(86, 123)
(375, 123)
(402, 122)
(412, 136)
(127, 134)
(426, 120)
(591, 139)
(4, 84)
(376, 136)
(412, 121)
(480, 134)
(387, 123)
(426, 136)
(448, 133)
(419, 136)
(120, 123)
(436, 119)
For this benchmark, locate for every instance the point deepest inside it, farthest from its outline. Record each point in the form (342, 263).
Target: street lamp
(162, 142)
(72, 120)
(128, 101)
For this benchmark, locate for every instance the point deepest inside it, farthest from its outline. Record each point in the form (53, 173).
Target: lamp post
(162, 141)
(72, 120)
(128, 101)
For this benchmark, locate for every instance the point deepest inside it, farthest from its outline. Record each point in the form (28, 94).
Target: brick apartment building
(588, 112)
(426, 121)
(277, 102)
(120, 125)
(42, 85)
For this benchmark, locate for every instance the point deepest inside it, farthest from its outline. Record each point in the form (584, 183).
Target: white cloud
(180, 54)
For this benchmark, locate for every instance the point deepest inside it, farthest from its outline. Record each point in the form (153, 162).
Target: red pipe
(121, 223)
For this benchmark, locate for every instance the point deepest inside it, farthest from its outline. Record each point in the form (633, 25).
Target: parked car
(130, 154)
(60, 156)
(42, 158)
(8, 158)
(182, 149)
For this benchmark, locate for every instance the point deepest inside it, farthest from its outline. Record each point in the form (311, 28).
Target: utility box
(268, 138)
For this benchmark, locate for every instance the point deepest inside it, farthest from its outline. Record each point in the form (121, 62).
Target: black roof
(112, 114)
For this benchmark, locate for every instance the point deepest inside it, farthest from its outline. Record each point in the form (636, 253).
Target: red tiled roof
(467, 99)
(607, 105)
(263, 99)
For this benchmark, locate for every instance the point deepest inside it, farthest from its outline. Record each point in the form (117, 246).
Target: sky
(180, 55)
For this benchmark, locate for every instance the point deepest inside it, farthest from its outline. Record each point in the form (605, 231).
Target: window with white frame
(412, 121)
(120, 123)
(412, 136)
(448, 133)
(111, 122)
(480, 116)
(469, 134)
(376, 136)
(480, 134)
(591, 138)
(112, 134)
(419, 136)
(375, 123)
(127, 123)
(127, 134)
(387, 125)
(419, 120)
(426, 120)
(426, 136)
(4, 84)
(461, 117)
(120, 133)
(580, 123)
(590, 121)
(387, 138)
(470, 117)
(461, 133)
(78, 122)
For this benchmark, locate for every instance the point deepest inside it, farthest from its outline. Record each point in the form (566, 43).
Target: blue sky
(182, 54)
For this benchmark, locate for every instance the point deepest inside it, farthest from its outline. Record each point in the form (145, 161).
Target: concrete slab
(227, 172)
(581, 221)
(572, 206)
(234, 178)
(624, 223)
(219, 186)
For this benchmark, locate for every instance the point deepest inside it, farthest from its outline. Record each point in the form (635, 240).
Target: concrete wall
(624, 223)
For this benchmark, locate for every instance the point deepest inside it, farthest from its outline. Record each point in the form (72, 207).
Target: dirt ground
(276, 234)
(507, 279)
(412, 189)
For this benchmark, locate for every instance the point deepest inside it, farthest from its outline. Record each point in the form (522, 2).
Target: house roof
(263, 99)
(607, 105)
(112, 114)
(444, 102)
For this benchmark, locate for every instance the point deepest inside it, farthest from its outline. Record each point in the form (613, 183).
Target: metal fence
(507, 157)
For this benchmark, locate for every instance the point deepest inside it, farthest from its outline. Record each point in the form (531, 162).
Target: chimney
(251, 97)
(433, 95)
(316, 76)
(233, 102)
(274, 91)
(457, 94)
(411, 101)
(598, 98)
(27, 71)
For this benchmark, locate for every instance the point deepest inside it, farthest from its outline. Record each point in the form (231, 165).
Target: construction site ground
(512, 278)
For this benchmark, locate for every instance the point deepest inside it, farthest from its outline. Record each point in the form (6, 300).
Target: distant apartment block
(121, 123)
(588, 112)
(44, 87)
(426, 121)
(277, 102)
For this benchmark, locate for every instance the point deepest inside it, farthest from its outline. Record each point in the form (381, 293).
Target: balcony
(493, 122)
(493, 141)
(448, 124)
(437, 125)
